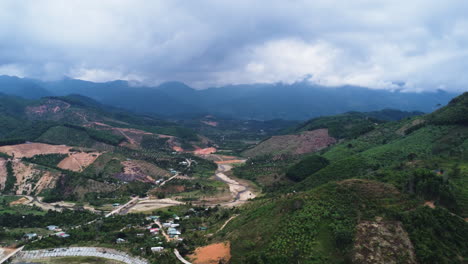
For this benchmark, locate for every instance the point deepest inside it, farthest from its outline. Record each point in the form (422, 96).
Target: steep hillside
(335, 223)
(402, 185)
(455, 112)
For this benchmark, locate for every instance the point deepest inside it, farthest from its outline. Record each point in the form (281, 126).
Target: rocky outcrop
(383, 242)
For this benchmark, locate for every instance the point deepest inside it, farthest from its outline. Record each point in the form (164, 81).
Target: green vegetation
(10, 180)
(153, 142)
(49, 160)
(312, 227)
(66, 218)
(265, 170)
(73, 135)
(347, 125)
(6, 208)
(305, 167)
(401, 165)
(100, 136)
(438, 236)
(453, 113)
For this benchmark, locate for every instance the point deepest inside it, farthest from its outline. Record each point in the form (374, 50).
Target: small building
(52, 227)
(152, 217)
(140, 235)
(173, 232)
(167, 224)
(157, 249)
(115, 204)
(203, 228)
(62, 234)
(30, 236)
(154, 230)
(175, 225)
(120, 240)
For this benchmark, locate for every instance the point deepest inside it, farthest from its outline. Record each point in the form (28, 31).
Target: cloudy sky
(373, 43)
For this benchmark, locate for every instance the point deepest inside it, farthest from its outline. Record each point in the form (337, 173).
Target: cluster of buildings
(58, 233)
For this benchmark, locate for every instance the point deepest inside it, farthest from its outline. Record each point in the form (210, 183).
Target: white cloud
(12, 70)
(100, 75)
(209, 42)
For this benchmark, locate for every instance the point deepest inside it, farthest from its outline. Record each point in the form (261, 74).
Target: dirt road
(227, 221)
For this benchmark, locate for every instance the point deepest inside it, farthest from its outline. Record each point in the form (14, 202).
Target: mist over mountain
(297, 101)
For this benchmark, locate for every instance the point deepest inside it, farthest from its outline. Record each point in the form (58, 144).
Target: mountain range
(297, 101)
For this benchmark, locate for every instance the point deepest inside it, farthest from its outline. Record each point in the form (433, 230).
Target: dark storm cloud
(205, 43)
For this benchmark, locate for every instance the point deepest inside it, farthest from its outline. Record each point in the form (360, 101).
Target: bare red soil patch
(178, 149)
(212, 254)
(204, 151)
(22, 200)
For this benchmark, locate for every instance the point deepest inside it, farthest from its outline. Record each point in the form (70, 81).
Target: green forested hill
(385, 174)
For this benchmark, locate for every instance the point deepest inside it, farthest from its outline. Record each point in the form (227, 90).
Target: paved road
(177, 254)
(79, 251)
(128, 204)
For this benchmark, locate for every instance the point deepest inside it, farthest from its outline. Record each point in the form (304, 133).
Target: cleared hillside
(305, 142)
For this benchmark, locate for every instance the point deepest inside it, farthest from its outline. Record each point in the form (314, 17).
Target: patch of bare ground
(22, 200)
(31, 179)
(51, 108)
(401, 131)
(3, 173)
(31, 149)
(212, 254)
(78, 161)
(430, 204)
(305, 142)
(4, 252)
(138, 170)
(204, 151)
(153, 204)
(210, 123)
(383, 242)
(217, 157)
